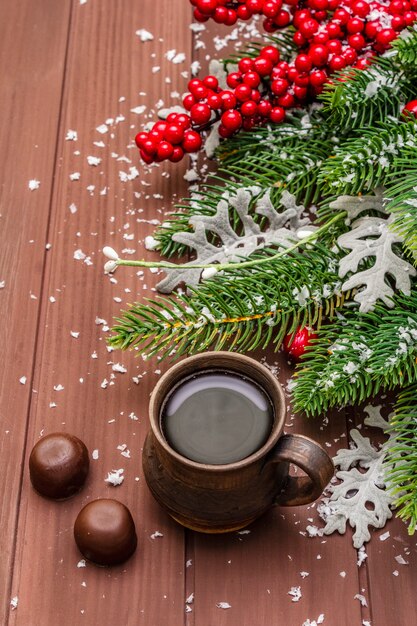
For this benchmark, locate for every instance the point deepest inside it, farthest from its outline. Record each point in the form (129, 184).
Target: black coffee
(217, 418)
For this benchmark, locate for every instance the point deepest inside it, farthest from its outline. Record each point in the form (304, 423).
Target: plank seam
(39, 316)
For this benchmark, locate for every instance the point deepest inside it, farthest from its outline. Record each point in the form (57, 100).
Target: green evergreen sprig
(357, 356)
(406, 48)
(368, 158)
(402, 199)
(401, 461)
(240, 309)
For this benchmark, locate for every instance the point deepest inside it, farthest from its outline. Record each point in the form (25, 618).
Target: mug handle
(312, 459)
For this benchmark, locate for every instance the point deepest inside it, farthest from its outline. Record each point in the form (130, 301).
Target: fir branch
(368, 158)
(356, 99)
(402, 196)
(401, 461)
(356, 356)
(244, 308)
(406, 47)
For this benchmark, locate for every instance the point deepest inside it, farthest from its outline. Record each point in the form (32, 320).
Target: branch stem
(226, 266)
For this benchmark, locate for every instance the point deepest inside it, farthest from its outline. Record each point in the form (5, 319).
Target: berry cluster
(330, 36)
(169, 139)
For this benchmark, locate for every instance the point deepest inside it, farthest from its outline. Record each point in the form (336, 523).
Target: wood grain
(33, 39)
(108, 66)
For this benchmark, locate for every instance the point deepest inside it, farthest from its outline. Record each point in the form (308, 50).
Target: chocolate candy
(58, 465)
(104, 532)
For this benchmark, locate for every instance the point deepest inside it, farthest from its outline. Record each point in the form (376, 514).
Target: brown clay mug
(221, 498)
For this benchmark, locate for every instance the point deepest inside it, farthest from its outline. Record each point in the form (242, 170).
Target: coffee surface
(217, 418)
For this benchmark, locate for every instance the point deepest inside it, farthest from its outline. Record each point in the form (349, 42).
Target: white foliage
(349, 498)
(371, 237)
(236, 247)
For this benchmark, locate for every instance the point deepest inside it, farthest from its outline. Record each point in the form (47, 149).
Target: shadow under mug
(223, 498)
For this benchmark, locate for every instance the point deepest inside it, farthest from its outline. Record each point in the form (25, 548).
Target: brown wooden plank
(33, 38)
(107, 67)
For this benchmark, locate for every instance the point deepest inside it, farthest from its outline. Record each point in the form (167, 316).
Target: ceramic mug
(222, 498)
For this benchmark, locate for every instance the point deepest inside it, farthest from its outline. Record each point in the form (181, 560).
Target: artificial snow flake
(348, 500)
(223, 605)
(235, 247)
(156, 534)
(369, 237)
(71, 135)
(295, 592)
(92, 160)
(144, 35)
(115, 477)
(34, 184)
(14, 602)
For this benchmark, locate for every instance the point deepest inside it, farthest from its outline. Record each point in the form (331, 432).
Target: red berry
(322, 37)
(385, 36)
(396, 7)
(231, 17)
(263, 66)
(269, 25)
(410, 109)
(287, 100)
(300, 16)
(409, 18)
(271, 53)
(303, 63)
(279, 86)
(308, 28)
(174, 133)
(231, 120)
(283, 18)
(146, 157)
(177, 154)
(319, 54)
(271, 8)
(214, 101)
(200, 113)
(361, 8)
(255, 6)
(300, 92)
(140, 139)
(243, 92)
(295, 344)
(350, 55)
(200, 17)
(302, 80)
(249, 108)
(319, 5)
(188, 101)
(341, 15)
(243, 12)
(264, 108)
(234, 79)
(372, 28)
(207, 7)
(149, 146)
(334, 30)
(165, 150)
(355, 25)
(277, 115)
(299, 39)
(397, 22)
(245, 65)
(221, 15)
(211, 82)
(224, 132)
(228, 100)
(318, 78)
(183, 120)
(192, 141)
(255, 95)
(161, 126)
(357, 42)
(337, 62)
(252, 79)
(334, 46)
(156, 135)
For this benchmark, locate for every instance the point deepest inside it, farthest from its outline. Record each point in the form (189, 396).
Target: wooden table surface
(73, 66)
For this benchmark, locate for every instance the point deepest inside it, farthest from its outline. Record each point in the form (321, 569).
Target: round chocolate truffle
(105, 532)
(58, 465)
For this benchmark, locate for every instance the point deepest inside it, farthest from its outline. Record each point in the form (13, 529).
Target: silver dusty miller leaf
(361, 498)
(355, 205)
(372, 237)
(235, 247)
